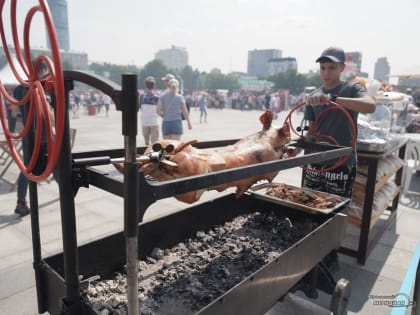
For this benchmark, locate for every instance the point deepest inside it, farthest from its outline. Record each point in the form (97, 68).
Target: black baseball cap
(333, 54)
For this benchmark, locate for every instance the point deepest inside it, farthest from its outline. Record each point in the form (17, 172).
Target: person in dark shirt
(352, 97)
(334, 123)
(22, 183)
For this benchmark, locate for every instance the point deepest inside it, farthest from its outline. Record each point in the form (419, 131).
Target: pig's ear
(266, 119)
(284, 132)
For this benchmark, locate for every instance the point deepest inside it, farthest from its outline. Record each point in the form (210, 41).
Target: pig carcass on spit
(266, 145)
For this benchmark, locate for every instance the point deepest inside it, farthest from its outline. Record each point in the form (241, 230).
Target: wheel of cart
(320, 278)
(340, 297)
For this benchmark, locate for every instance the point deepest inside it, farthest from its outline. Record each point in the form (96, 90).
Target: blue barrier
(403, 300)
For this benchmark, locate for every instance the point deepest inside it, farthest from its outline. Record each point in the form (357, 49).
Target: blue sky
(219, 33)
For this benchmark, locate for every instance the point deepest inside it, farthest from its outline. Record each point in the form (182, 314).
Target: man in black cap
(352, 97)
(333, 123)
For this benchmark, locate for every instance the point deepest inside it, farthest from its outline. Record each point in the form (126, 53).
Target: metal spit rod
(129, 130)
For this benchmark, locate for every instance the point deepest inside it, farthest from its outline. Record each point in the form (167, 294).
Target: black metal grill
(255, 295)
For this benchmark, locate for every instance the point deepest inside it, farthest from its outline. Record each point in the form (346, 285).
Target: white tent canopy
(7, 77)
(410, 73)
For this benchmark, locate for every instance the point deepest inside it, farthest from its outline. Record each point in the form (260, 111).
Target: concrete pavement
(100, 213)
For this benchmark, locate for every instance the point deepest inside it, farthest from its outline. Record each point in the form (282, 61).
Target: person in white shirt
(149, 117)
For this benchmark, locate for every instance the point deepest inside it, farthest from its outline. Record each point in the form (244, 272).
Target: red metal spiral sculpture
(37, 90)
(319, 136)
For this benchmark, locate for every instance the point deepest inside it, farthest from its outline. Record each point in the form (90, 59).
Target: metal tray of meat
(376, 147)
(260, 191)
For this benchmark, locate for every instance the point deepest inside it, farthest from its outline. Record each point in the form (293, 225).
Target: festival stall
(381, 148)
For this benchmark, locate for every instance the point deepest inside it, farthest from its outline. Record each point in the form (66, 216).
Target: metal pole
(68, 216)
(36, 236)
(131, 217)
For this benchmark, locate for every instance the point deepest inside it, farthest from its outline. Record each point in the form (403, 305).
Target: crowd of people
(92, 101)
(173, 105)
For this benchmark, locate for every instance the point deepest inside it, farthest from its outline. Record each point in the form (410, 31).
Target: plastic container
(91, 110)
(376, 125)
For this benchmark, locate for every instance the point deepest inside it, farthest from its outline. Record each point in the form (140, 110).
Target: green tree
(217, 80)
(190, 77)
(67, 65)
(113, 72)
(156, 69)
(294, 82)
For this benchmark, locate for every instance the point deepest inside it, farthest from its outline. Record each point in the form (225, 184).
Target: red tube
(318, 136)
(36, 95)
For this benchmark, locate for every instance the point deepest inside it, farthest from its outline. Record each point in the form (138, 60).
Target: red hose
(36, 96)
(318, 136)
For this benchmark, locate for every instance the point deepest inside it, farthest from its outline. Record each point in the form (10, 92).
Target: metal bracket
(79, 179)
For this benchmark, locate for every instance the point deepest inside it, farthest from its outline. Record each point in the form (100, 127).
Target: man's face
(330, 73)
(42, 72)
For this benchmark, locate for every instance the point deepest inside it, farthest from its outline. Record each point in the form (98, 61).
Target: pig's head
(280, 137)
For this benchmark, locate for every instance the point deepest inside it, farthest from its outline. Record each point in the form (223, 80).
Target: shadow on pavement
(364, 277)
(6, 188)
(412, 198)
(10, 219)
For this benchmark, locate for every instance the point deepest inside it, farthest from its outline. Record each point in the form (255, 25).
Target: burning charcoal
(92, 291)
(224, 272)
(99, 290)
(150, 260)
(200, 235)
(97, 306)
(194, 273)
(145, 310)
(142, 265)
(157, 253)
(120, 289)
(141, 297)
(231, 246)
(220, 231)
(212, 254)
(105, 312)
(114, 301)
(160, 277)
(117, 276)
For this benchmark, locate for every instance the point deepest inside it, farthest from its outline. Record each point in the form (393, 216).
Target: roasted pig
(266, 145)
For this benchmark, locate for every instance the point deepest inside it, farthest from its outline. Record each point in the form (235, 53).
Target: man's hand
(318, 99)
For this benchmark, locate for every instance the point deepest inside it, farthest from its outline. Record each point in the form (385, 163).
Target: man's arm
(159, 108)
(365, 104)
(186, 114)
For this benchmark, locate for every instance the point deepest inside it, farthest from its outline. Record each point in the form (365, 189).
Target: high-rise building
(280, 65)
(60, 17)
(353, 65)
(258, 61)
(382, 70)
(175, 58)
(69, 59)
(354, 58)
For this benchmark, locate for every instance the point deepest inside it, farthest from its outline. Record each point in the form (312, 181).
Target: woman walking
(172, 108)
